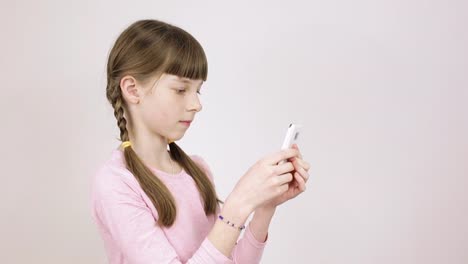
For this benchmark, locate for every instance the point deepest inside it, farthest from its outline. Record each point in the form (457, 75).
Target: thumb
(295, 146)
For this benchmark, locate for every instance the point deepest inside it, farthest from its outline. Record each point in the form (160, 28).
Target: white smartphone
(292, 136)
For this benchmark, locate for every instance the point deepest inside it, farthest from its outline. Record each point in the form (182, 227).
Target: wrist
(236, 210)
(260, 223)
(266, 208)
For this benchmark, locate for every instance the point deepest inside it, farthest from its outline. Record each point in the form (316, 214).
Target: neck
(155, 153)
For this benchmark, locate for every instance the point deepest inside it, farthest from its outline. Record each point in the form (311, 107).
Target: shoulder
(112, 179)
(199, 160)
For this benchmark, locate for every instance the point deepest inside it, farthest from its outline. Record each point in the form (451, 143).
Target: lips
(186, 122)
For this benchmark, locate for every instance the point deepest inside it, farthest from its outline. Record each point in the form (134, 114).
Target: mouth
(186, 122)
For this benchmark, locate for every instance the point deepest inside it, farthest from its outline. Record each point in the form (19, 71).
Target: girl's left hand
(297, 185)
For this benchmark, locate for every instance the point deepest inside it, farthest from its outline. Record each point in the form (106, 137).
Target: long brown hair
(145, 48)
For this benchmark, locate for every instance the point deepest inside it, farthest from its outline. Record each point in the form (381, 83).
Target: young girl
(158, 205)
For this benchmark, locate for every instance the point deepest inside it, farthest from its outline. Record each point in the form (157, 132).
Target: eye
(180, 91)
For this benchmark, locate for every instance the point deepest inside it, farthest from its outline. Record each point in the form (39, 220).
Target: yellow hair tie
(169, 141)
(126, 144)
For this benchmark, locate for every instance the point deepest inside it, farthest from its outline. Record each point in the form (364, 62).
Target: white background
(381, 88)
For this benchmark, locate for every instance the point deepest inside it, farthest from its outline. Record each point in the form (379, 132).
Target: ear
(130, 92)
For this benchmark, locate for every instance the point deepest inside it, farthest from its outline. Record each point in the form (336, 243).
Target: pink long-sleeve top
(126, 220)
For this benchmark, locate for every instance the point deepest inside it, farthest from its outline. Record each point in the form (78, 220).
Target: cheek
(161, 114)
(160, 118)
(156, 115)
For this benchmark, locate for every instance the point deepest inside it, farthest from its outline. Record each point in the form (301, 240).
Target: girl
(157, 205)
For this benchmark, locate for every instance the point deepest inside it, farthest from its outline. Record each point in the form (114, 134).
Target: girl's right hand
(265, 180)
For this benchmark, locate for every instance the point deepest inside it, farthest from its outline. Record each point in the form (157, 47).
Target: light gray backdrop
(380, 87)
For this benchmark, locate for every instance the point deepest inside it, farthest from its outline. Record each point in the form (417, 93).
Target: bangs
(186, 57)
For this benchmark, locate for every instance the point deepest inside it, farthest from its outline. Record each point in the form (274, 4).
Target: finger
(298, 168)
(300, 181)
(283, 168)
(296, 185)
(284, 178)
(303, 164)
(307, 176)
(284, 154)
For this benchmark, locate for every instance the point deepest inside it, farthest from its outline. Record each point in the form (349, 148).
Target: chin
(176, 137)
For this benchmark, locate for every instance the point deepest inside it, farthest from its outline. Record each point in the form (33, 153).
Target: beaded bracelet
(230, 223)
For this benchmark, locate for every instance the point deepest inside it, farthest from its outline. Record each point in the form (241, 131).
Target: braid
(115, 98)
(121, 121)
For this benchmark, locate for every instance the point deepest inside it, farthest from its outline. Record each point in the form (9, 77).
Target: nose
(195, 104)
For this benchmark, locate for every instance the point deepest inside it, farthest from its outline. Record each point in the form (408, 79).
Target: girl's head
(154, 73)
(146, 71)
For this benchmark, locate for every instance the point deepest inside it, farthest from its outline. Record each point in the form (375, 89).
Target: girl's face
(165, 102)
